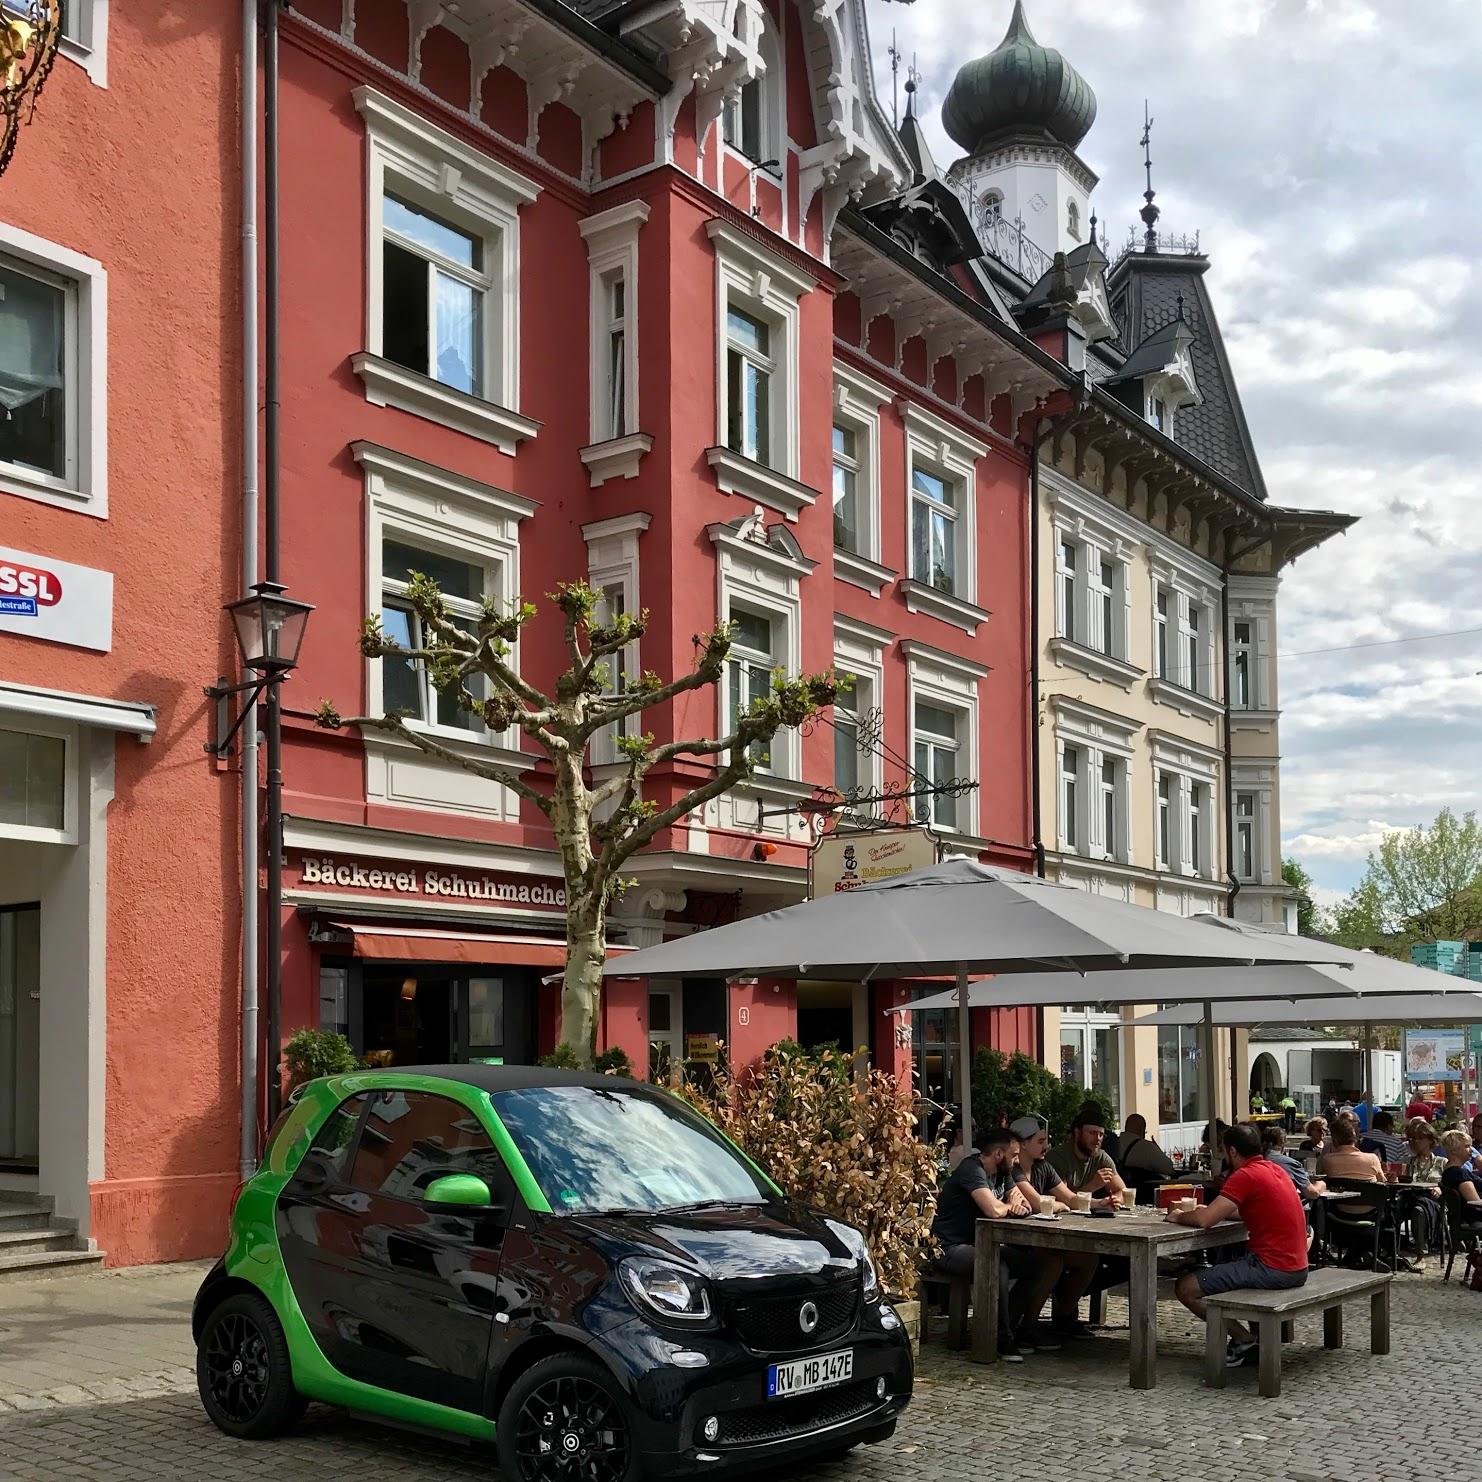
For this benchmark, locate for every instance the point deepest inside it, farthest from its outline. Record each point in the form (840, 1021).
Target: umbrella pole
(964, 1063)
(1210, 1079)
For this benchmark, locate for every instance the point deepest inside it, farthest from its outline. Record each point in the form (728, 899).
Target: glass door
(20, 1035)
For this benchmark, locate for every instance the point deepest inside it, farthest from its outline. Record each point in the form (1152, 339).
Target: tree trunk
(581, 993)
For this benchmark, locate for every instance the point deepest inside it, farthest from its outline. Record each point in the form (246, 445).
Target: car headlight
(858, 1246)
(669, 1292)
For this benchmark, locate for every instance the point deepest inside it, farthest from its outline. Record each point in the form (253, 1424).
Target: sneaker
(1009, 1352)
(1074, 1330)
(1241, 1355)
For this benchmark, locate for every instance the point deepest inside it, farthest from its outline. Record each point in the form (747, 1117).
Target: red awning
(406, 943)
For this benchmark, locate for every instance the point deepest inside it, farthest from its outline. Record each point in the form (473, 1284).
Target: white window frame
(67, 734)
(612, 256)
(1252, 600)
(1163, 597)
(859, 649)
(85, 38)
(942, 450)
(612, 565)
(950, 683)
(1190, 589)
(1242, 665)
(1083, 640)
(1257, 781)
(85, 282)
(765, 286)
(857, 403)
(761, 568)
(1165, 818)
(1247, 823)
(1072, 758)
(434, 508)
(760, 47)
(953, 745)
(430, 167)
(1097, 736)
(1158, 411)
(1188, 764)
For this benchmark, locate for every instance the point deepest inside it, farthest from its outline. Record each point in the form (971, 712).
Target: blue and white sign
(41, 597)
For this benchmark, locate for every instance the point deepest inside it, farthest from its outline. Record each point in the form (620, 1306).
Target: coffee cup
(1047, 1204)
(1083, 1202)
(1186, 1205)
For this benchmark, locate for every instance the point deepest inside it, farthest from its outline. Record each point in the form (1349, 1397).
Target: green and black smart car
(579, 1269)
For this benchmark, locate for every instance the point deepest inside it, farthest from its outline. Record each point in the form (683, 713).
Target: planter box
(910, 1314)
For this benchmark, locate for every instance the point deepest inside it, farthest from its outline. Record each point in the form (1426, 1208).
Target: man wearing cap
(983, 1186)
(1036, 1178)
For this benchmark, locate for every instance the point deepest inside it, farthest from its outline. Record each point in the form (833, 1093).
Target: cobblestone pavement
(1344, 1417)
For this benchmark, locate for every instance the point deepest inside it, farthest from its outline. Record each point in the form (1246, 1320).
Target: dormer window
(1073, 221)
(752, 122)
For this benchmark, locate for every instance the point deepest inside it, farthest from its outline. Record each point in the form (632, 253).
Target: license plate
(805, 1375)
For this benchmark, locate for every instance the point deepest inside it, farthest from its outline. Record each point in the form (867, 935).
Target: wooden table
(1141, 1238)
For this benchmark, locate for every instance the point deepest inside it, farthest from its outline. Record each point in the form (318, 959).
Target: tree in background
(597, 827)
(1310, 920)
(1421, 885)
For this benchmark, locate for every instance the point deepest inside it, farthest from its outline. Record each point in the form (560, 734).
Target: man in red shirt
(1265, 1198)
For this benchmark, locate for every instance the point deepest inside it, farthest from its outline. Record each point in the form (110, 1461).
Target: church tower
(1019, 113)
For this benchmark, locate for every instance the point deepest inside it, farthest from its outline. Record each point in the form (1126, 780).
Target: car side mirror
(459, 1190)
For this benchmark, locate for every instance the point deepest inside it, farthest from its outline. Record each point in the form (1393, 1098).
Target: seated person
(1262, 1195)
(1383, 1141)
(1082, 1162)
(1423, 1166)
(1273, 1149)
(1477, 1142)
(1460, 1176)
(1316, 1140)
(983, 1186)
(1344, 1160)
(1036, 1178)
(1141, 1161)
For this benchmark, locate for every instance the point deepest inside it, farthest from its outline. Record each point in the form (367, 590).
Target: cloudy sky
(1328, 151)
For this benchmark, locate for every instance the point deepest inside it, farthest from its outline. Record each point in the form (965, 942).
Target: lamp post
(269, 629)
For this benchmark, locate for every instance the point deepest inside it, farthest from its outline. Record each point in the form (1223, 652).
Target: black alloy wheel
(243, 1371)
(565, 1421)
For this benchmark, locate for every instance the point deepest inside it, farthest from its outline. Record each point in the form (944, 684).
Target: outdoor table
(1139, 1237)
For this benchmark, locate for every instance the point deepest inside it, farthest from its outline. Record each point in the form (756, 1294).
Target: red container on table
(1169, 1194)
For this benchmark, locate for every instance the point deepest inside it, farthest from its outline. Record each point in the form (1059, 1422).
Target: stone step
(60, 1235)
(13, 1217)
(29, 1265)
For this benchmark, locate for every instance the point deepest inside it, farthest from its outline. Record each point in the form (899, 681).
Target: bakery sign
(395, 877)
(848, 861)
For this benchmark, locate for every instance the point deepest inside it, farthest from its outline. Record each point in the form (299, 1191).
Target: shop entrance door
(20, 1036)
(408, 1015)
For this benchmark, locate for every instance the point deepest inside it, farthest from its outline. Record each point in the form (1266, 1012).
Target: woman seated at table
(1424, 1165)
(1316, 1140)
(1460, 1176)
(1344, 1160)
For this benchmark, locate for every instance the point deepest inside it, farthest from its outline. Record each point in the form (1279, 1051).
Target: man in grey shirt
(1273, 1147)
(1138, 1153)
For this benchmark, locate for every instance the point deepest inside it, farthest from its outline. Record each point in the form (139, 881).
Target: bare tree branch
(393, 725)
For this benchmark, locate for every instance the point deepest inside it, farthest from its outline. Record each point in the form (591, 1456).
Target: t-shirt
(1078, 1171)
(957, 1213)
(1293, 1169)
(1386, 1147)
(1041, 1178)
(1268, 1203)
(1454, 1178)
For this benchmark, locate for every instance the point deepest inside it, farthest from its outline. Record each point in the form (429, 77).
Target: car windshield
(595, 1151)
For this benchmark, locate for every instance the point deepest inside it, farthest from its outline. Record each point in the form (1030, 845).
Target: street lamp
(270, 632)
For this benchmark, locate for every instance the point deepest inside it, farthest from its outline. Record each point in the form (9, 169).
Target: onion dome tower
(1020, 113)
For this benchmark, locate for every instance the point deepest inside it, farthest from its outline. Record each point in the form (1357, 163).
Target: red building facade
(650, 308)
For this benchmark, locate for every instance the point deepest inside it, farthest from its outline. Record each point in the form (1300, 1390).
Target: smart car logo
(808, 1317)
(25, 590)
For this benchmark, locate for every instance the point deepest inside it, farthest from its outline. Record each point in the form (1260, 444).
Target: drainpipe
(273, 715)
(247, 1161)
(1230, 872)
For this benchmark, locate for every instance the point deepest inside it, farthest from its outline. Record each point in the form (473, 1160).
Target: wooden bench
(1274, 1313)
(959, 1296)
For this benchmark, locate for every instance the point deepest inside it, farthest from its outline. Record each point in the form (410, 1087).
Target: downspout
(273, 830)
(247, 1159)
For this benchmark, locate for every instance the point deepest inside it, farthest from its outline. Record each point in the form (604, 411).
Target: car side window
(414, 1137)
(328, 1154)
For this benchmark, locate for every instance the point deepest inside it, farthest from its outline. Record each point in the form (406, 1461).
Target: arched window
(993, 203)
(752, 123)
(1073, 220)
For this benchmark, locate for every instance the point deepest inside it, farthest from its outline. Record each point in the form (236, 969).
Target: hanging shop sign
(400, 878)
(55, 600)
(848, 861)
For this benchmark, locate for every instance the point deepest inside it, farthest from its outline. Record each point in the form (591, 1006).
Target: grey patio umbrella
(960, 919)
(1431, 1009)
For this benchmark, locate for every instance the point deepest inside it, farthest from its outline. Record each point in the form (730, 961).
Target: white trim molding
(85, 282)
(617, 458)
(482, 196)
(1098, 737)
(857, 403)
(868, 576)
(85, 38)
(860, 649)
(951, 455)
(950, 683)
(612, 565)
(128, 716)
(612, 260)
(737, 474)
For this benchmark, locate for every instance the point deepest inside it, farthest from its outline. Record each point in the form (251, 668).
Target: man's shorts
(1246, 1273)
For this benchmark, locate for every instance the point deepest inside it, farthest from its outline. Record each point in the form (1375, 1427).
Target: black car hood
(734, 1245)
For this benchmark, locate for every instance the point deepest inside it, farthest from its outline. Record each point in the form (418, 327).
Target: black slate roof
(1145, 291)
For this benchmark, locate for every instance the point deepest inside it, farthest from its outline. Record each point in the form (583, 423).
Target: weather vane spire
(1149, 212)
